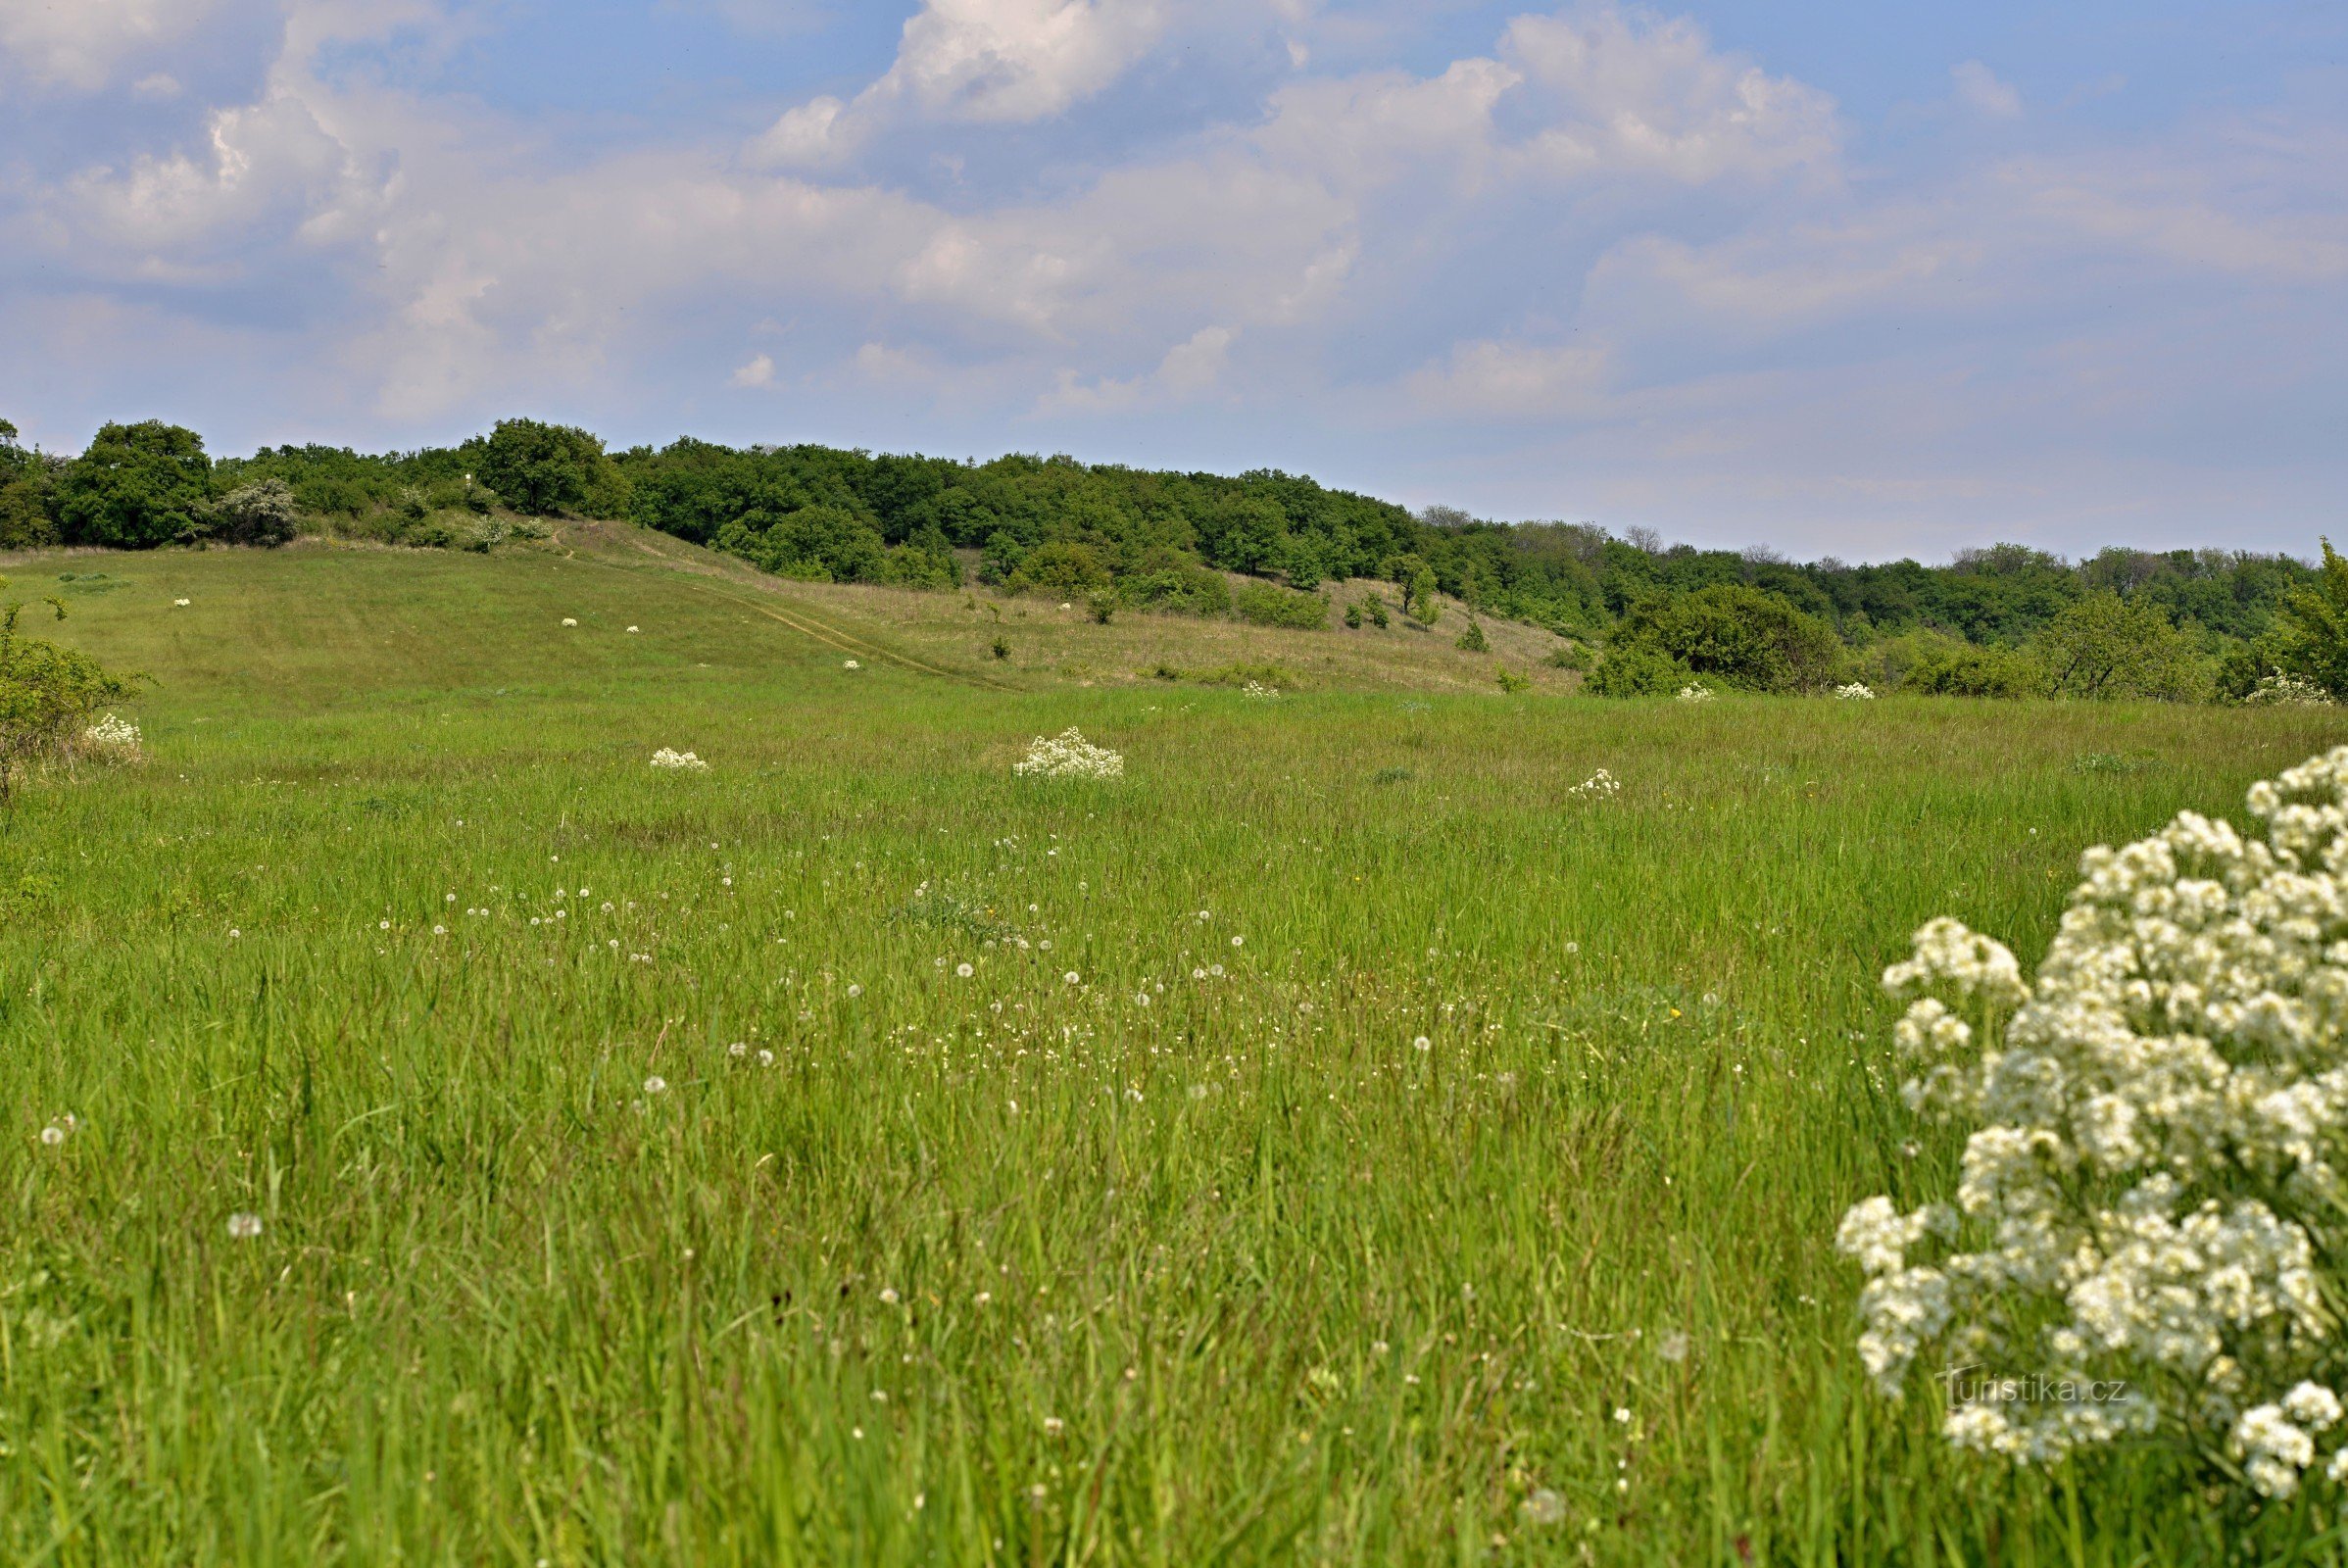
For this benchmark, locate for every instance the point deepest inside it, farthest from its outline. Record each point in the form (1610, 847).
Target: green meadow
(1338, 1141)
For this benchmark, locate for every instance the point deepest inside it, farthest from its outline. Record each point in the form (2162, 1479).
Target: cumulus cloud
(80, 44)
(1000, 62)
(757, 372)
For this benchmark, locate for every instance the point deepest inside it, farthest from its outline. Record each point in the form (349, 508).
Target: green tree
(541, 468)
(24, 483)
(2311, 637)
(1636, 669)
(2107, 646)
(136, 487)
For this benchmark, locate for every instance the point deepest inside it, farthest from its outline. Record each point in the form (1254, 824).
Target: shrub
(1180, 586)
(2158, 1126)
(813, 544)
(1265, 605)
(1001, 648)
(1063, 568)
(1740, 635)
(1962, 671)
(47, 695)
(1473, 640)
(1376, 608)
(1636, 670)
(136, 487)
(1511, 682)
(1353, 617)
(261, 514)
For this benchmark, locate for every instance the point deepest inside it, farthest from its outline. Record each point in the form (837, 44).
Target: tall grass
(1150, 1267)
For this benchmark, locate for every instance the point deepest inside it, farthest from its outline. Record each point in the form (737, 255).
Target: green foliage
(542, 469)
(1265, 605)
(1566, 655)
(137, 486)
(1376, 608)
(1000, 648)
(2312, 639)
(815, 544)
(1636, 669)
(1063, 570)
(1473, 640)
(1959, 669)
(1101, 607)
(1353, 618)
(46, 694)
(1511, 682)
(261, 514)
(1739, 635)
(1417, 581)
(2108, 647)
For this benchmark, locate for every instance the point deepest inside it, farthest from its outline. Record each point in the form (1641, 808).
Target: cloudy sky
(1837, 275)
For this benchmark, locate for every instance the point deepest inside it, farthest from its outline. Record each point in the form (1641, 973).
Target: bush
(47, 695)
(261, 513)
(1180, 586)
(1636, 670)
(138, 486)
(1740, 635)
(1963, 670)
(1063, 568)
(1472, 640)
(1265, 605)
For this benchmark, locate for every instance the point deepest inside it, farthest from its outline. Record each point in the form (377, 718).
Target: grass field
(1336, 1142)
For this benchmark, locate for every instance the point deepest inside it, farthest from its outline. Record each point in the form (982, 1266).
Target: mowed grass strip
(1423, 1162)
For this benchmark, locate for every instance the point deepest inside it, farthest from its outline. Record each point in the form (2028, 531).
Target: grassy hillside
(1337, 1140)
(266, 618)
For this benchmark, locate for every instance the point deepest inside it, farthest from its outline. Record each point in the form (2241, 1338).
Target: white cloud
(80, 44)
(1979, 89)
(1189, 369)
(757, 372)
(999, 62)
(1493, 377)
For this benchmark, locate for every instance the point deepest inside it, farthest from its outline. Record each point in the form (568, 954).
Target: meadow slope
(1338, 1140)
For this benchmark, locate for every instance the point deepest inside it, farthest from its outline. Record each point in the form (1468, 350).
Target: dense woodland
(2004, 620)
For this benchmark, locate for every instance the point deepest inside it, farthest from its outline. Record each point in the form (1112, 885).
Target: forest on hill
(2000, 620)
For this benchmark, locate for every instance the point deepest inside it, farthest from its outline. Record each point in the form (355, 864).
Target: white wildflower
(851, 664)
(1600, 785)
(1697, 692)
(1855, 692)
(2153, 1182)
(114, 739)
(244, 1226)
(1069, 756)
(570, 621)
(2279, 690)
(671, 760)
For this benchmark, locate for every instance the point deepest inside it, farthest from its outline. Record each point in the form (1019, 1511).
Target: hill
(346, 619)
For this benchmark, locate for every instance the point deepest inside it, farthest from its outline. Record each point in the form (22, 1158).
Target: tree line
(2002, 620)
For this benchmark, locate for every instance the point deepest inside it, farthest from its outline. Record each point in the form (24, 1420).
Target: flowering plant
(1857, 691)
(1600, 784)
(114, 738)
(675, 761)
(2152, 1196)
(2279, 690)
(1069, 755)
(1697, 692)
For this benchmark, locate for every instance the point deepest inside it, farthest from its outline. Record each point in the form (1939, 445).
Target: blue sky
(1838, 277)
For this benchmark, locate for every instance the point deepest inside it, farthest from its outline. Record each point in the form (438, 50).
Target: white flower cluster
(1857, 691)
(1256, 688)
(2279, 690)
(675, 761)
(1600, 785)
(2154, 1197)
(1697, 692)
(113, 737)
(1069, 755)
